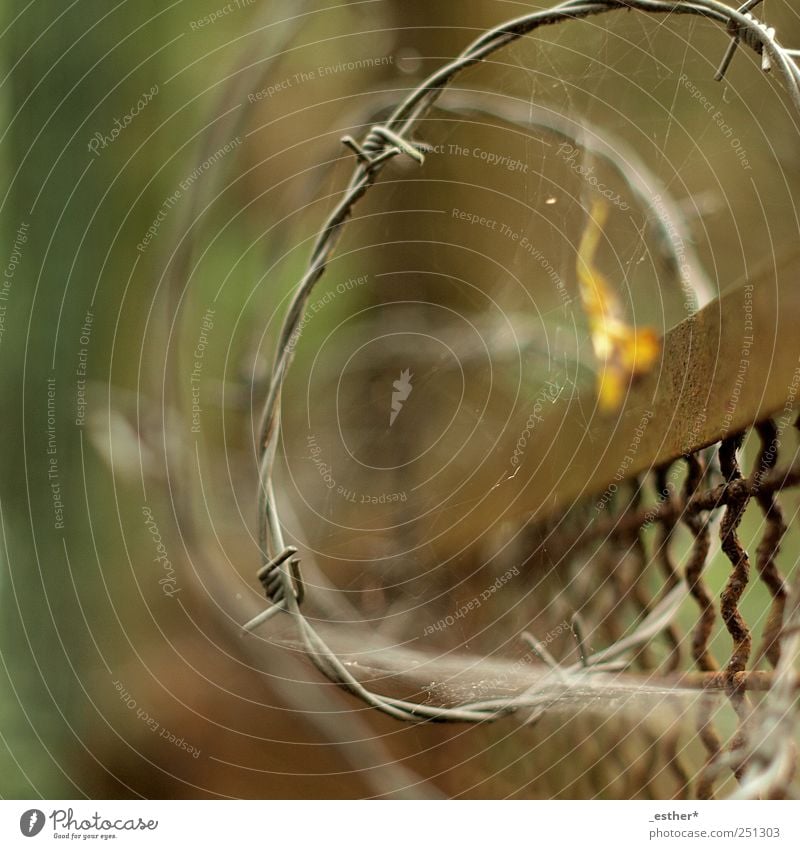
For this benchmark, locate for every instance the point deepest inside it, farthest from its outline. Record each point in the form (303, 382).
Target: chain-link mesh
(715, 490)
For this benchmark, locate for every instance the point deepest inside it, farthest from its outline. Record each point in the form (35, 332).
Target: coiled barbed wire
(280, 570)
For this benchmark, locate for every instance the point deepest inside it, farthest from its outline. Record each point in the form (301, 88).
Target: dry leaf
(622, 351)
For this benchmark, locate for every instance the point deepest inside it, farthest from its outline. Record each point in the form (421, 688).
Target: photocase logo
(31, 822)
(402, 389)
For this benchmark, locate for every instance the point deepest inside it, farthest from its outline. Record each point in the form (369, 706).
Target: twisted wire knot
(272, 577)
(755, 39)
(276, 581)
(754, 34)
(382, 144)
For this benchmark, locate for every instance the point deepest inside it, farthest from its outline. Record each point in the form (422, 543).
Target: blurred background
(166, 167)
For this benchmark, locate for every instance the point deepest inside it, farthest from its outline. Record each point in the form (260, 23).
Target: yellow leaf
(622, 351)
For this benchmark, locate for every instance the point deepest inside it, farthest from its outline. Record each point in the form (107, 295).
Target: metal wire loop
(280, 575)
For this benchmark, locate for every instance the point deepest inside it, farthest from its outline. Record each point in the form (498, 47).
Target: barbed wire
(280, 573)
